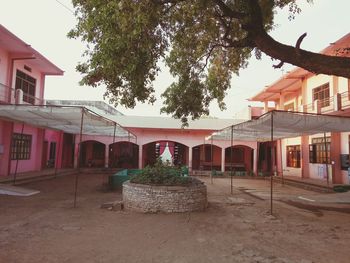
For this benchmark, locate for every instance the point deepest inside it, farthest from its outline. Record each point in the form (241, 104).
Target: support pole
(211, 156)
(231, 161)
(15, 175)
(281, 162)
(326, 151)
(79, 157)
(272, 170)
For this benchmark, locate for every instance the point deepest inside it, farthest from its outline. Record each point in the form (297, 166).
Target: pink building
(22, 81)
(27, 145)
(300, 90)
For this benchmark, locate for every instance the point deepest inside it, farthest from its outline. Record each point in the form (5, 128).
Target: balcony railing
(11, 96)
(7, 94)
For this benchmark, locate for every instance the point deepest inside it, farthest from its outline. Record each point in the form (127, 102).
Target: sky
(44, 25)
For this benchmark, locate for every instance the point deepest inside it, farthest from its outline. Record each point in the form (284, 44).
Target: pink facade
(22, 80)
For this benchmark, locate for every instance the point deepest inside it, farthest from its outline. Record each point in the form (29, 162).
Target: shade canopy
(283, 124)
(64, 118)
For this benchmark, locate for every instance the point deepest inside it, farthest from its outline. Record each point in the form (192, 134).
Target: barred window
(21, 146)
(322, 94)
(319, 151)
(293, 156)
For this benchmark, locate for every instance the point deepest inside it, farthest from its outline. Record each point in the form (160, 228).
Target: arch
(123, 154)
(242, 158)
(92, 154)
(178, 152)
(206, 157)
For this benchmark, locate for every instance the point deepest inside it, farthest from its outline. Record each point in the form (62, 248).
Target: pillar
(190, 159)
(335, 158)
(223, 159)
(266, 106)
(305, 156)
(281, 102)
(140, 156)
(76, 154)
(255, 160)
(106, 155)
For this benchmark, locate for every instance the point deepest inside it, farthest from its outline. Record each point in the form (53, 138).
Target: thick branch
(313, 62)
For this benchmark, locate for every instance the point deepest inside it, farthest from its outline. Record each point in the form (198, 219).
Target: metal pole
(211, 157)
(15, 175)
(231, 161)
(79, 158)
(326, 152)
(272, 170)
(281, 162)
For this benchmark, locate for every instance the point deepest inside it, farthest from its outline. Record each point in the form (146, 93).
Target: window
(319, 151)
(322, 94)
(293, 156)
(27, 84)
(21, 146)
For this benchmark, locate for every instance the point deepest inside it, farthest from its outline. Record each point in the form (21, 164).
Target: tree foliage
(203, 42)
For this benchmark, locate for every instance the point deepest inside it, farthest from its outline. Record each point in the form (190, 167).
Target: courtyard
(305, 227)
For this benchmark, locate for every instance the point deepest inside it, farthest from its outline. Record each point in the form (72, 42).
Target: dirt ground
(235, 228)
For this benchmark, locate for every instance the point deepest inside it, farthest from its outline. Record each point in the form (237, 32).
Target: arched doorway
(175, 152)
(206, 157)
(124, 155)
(92, 154)
(241, 160)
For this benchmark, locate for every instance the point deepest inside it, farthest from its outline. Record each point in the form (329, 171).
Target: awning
(64, 118)
(283, 124)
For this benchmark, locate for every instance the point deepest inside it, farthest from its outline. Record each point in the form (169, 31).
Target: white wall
(290, 171)
(342, 85)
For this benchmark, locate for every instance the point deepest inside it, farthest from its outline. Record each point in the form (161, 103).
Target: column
(305, 156)
(106, 155)
(76, 154)
(140, 157)
(336, 174)
(255, 160)
(223, 159)
(281, 103)
(190, 159)
(266, 106)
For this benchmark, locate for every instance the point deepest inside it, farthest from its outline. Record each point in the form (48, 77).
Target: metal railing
(345, 100)
(10, 96)
(7, 95)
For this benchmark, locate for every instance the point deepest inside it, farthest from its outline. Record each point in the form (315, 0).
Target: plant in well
(161, 173)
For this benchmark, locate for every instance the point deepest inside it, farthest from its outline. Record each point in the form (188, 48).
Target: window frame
(319, 152)
(21, 146)
(293, 156)
(27, 84)
(322, 93)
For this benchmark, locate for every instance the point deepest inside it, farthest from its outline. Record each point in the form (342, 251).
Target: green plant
(161, 174)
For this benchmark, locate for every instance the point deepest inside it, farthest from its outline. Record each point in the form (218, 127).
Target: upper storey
(301, 90)
(22, 71)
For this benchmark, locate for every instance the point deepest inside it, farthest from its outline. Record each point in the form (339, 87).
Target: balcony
(338, 102)
(11, 96)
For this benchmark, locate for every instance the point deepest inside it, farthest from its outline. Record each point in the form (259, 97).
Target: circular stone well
(168, 199)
